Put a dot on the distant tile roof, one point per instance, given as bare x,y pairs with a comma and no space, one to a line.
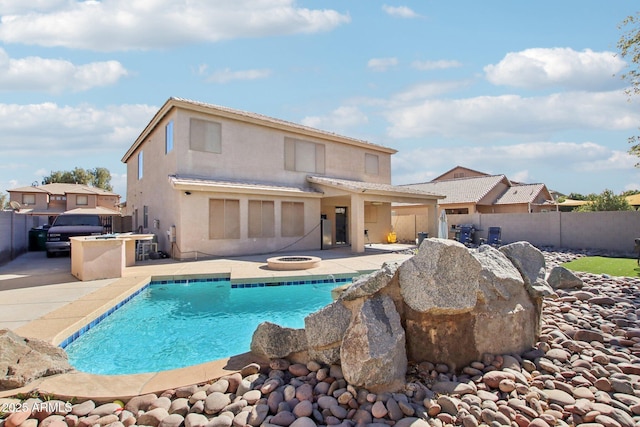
362,186
461,190
524,193
634,200
62,189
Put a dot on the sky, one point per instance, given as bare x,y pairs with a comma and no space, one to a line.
531,90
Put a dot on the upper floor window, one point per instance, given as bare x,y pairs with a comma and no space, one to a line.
371,164
458,175
303,156
140,164
168,137
82,200
28,199
205,136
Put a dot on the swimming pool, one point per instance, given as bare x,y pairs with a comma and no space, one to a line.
170,325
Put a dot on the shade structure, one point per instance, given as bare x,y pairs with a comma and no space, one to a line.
443,227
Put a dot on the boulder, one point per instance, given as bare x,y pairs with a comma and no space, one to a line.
23,360
441,279
562,278
531,264
373,353
504,305
324,331
371,283
274,341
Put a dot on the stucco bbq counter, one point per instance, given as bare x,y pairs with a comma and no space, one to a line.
103,257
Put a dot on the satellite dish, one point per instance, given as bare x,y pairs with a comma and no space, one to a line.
14,205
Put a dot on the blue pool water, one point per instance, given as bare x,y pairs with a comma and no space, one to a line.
173,325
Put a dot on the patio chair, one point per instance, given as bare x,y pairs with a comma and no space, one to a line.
466,233
494,236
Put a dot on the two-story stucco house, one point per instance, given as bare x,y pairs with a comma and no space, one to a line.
45,202
214,181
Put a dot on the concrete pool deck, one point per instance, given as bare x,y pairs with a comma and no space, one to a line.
39,298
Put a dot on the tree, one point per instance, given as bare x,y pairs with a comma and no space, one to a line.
605,201
98,177
4,201
576,196
629,45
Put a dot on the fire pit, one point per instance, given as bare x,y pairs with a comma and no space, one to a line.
293,262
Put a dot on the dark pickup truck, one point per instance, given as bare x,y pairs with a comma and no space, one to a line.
71,225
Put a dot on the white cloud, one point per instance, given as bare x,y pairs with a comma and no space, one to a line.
491,117
400,11
520,176
55,75
557,67
425,91
442,64
70,131
227,75
338,120
382,64
615,160
110,25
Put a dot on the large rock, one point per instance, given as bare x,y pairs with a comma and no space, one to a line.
276,342
563,278
504,305
23,360
441,279
372,283
531,264
324,331
373,353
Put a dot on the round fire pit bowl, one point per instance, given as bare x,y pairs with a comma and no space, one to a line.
293,262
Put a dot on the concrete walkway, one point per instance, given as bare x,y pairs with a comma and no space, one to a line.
39,298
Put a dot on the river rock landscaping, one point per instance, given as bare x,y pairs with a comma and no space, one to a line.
583,370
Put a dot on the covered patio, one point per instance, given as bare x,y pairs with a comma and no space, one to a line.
360,212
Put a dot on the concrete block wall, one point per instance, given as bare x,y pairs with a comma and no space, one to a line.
14,235
613,231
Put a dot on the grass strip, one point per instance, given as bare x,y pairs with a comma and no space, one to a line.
627,267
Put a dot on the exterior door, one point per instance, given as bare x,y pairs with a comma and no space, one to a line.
341,226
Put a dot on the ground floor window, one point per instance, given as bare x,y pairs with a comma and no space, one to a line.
292,219
224,219
262,222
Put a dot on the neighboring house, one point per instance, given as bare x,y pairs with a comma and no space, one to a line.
50,200
467,191
210,180
634,201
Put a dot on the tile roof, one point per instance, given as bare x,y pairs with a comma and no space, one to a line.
524,193
362,186
62,189
462,190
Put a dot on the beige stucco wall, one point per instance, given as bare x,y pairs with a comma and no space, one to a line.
252,152
408,221
192,230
